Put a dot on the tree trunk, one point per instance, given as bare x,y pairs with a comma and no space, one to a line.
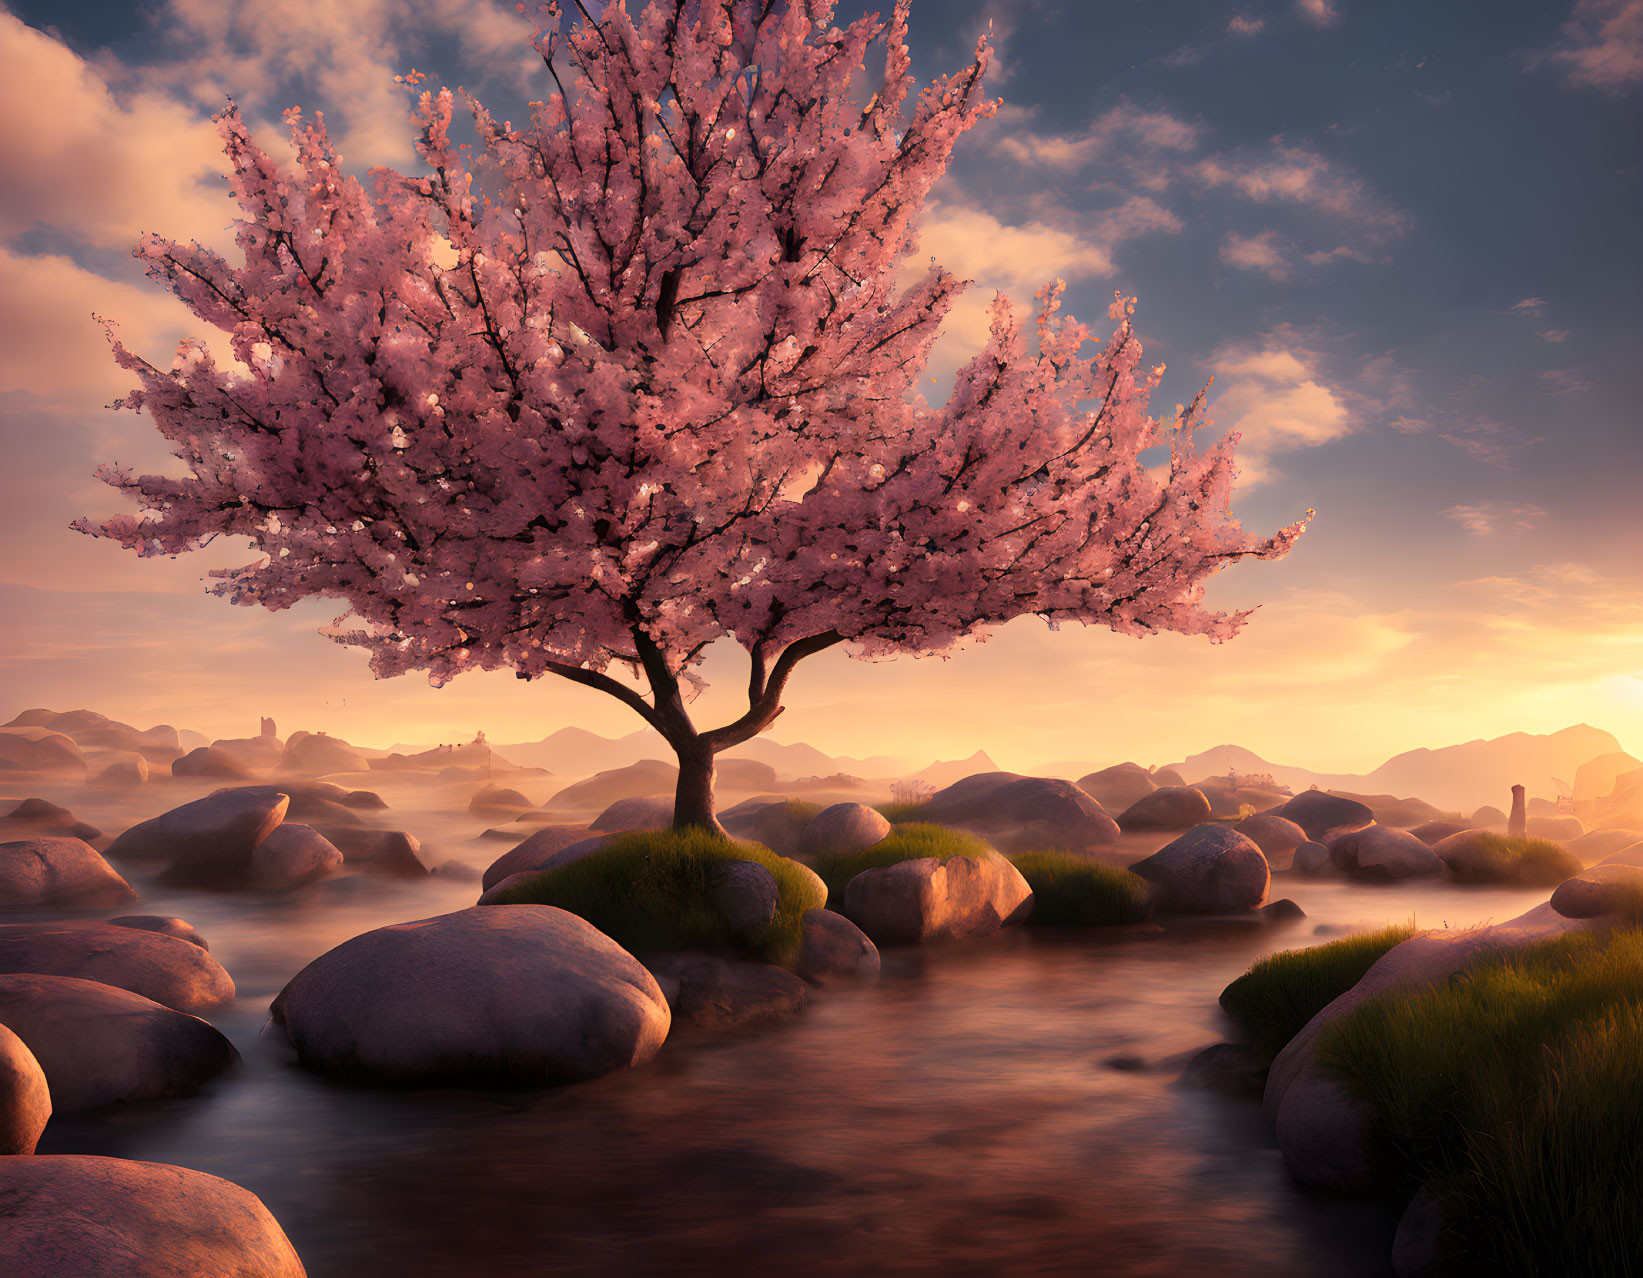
693,800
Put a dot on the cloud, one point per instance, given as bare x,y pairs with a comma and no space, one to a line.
1492,518
1242,24
974,244
1491,442
1601,45
1565,381
1277,398
1127,127
1528,306
1264,252
1285,174
1554,335
1320,13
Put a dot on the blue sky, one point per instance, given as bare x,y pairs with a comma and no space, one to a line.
1401,236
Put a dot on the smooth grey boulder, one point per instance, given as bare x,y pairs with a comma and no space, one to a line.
1119,786
777,823
834,949
1170,807
123,774
220,829
1383,854
40,750
744,894
1018,813
164,924
314,753
169,971
25,1098
1487,816
497,798
80,1216
210,761
514,994
842,829
1432,833
1211,869
713,992
1276,836
652,812
59,872
549,847
292,856
1311,860
1323,815
929,899
1610,889
99,1045
391,853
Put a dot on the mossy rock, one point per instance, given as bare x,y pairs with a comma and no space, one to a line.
1080,891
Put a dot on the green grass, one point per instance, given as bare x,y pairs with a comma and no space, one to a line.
901,813
1079,891
653,890
1512,1091
1279,994
1495,858
904,843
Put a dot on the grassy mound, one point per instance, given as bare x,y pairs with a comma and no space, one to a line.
1079,891
904,843
653,890
901,813
1495,858
1279,994
1512,1093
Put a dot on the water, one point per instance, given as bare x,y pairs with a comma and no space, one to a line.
1004,1105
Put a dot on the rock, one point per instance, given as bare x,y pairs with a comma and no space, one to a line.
928,899
218,830
59,872
1632,855
209,761
775,822
392,853
1018,813
124,773
1169,808
1611,889
744,893
719,993
40,750
537,851
1229,1068
842,829
178,928
40,810
1601,843
523,994
1119,786
1282,910
365,800
456,872
835,949
1275,836
497,798
315,753
1211,869
1561,829
99,1045
77,1216
293,855
35,718
1487,816
1324,1134
653,812
1432,833
1323,815
34,818
1167,776
163,968
25,1100
1416,1247
263,754
1382,854
1311,860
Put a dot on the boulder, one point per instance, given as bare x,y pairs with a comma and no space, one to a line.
25,1099
99,1045
35,817
535,852
652,812
1487,816
1211,869
1169,808
842,829
1323,815
1382,854
38,717
1611,889
293,855
59,872
1119,786
392,853
262,754
834,949
1601,843
40,750
497,798
928,899
78,1216
124,773
744,894
1324,1134
1311,860
720,993
314,753
209,761
182,930
1167,776
364,800
775,822
1233,1069
520,994
1019,813
455,872
1276,836
1283,910
1417,1247
1432,833
220,829
1561,829
169,971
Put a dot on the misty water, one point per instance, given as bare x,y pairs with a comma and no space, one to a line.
1007,1104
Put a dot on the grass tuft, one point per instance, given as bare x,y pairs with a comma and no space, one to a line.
1495,858
901,813
1511,1091
652,890
1280,993
1080,891
904,843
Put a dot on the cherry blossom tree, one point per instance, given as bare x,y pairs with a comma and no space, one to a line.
640,375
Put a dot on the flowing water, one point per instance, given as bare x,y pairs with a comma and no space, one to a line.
1008,1105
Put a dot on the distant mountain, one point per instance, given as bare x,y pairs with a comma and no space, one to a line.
801,760
578,752
942,775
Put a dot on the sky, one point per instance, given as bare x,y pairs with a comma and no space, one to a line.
1401,238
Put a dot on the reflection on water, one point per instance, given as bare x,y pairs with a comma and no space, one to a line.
959,1117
